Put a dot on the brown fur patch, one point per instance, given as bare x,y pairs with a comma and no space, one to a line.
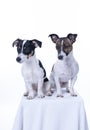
67,45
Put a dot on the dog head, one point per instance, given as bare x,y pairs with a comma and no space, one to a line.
26,48
64,45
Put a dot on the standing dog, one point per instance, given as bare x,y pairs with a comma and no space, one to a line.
32,70
66,67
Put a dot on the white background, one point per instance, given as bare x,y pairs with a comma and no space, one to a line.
28,19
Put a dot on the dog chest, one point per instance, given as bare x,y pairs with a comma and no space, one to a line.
32,73
65,71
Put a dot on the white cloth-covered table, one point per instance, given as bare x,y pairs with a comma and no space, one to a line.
51,113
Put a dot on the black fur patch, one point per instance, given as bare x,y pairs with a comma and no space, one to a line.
28,47
46,79
40,64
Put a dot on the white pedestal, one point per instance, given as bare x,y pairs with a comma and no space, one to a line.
51,113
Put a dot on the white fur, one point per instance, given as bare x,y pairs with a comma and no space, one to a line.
64,71
33,75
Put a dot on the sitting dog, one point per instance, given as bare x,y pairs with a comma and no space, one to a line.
65,70
32,70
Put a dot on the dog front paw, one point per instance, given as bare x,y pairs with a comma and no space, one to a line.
30,96
74,94
40,94
60,95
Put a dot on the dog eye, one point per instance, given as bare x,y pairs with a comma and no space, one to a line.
67,49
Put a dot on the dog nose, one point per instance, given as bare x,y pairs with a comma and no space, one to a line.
60,57
18,59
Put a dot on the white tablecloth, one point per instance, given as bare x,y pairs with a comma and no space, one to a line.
51,113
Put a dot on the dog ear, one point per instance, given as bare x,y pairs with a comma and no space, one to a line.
72,37
37,43
15,43
54,37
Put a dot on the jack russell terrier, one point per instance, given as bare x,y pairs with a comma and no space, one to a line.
33,71
65,70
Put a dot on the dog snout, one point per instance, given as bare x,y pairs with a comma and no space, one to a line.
18,59
60,57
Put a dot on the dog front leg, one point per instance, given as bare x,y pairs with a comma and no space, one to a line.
29,90
40,91
58,87
71,88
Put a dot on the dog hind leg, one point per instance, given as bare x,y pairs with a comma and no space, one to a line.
71,89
